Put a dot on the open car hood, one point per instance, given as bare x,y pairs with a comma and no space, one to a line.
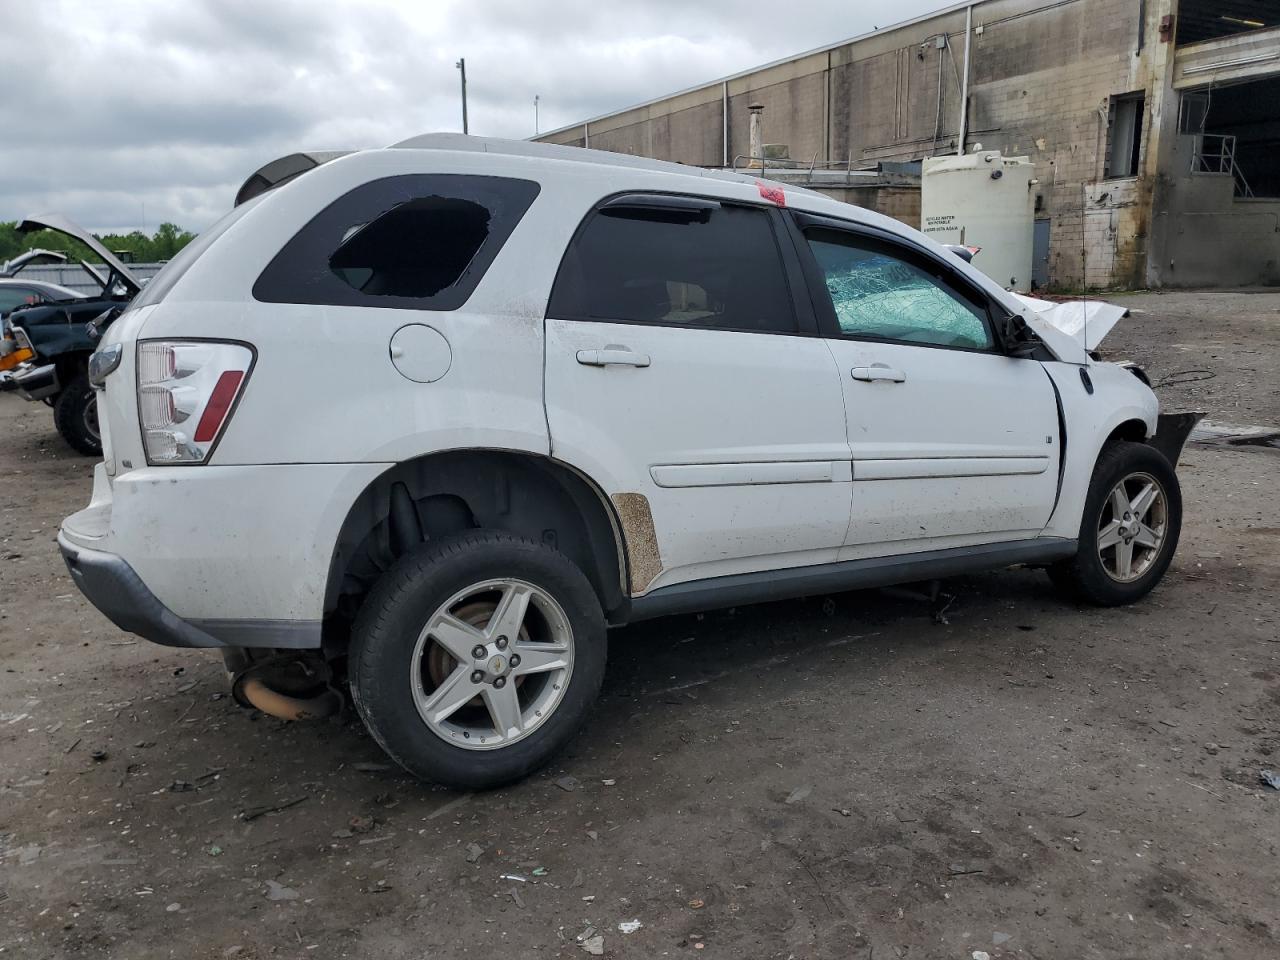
31,258
59,223
1086,321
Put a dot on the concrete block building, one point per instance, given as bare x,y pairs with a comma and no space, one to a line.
1154,126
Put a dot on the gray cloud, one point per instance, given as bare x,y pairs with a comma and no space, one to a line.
136,106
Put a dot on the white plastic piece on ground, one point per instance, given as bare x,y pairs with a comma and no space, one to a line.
629,926
1216,430
1088,321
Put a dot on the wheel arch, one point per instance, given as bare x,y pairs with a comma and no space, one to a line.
1134,429
442,493
1120,409
70,364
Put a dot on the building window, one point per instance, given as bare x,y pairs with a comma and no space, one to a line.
1124,142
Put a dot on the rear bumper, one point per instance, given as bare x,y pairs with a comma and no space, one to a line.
214,555
115,588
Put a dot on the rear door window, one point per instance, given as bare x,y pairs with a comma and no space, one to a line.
420,241
714,266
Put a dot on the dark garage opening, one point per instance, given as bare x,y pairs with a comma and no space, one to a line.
1243,119
1200,20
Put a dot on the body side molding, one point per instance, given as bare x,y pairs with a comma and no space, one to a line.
770,585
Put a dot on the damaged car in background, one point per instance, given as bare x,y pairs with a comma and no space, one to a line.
46,344
18,291
576,390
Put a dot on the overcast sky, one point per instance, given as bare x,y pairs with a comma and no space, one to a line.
126,114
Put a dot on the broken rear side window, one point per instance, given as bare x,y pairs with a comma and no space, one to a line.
420,241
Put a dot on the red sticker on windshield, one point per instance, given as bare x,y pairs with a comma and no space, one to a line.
772,193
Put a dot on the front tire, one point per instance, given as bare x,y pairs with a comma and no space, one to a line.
475,658
1130,528
75,414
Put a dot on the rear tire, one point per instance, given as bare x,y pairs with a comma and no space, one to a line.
477,657
1129,530
75,414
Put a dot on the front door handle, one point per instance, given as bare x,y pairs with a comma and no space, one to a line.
612,355
878,371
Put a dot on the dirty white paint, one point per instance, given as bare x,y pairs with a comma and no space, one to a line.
719,434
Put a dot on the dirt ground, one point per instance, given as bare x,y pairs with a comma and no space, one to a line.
839,777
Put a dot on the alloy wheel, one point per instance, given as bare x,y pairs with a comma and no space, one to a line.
492,664
1132,527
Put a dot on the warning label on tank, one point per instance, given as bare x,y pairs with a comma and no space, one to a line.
940,224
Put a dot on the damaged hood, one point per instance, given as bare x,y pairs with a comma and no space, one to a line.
60,224
31,258
1085,321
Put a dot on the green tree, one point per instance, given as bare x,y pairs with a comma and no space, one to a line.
164,244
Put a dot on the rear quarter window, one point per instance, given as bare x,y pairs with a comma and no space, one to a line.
419,241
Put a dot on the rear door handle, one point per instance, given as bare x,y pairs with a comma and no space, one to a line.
878,371
612,356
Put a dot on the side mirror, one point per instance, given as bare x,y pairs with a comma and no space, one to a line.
1018,339
964,251
94,327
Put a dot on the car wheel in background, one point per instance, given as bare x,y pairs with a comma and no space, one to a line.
476,657
1129,531
75,414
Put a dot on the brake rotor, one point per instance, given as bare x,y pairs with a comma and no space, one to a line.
440,663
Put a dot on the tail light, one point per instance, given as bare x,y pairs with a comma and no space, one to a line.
186,392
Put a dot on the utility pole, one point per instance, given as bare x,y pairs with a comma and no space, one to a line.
462,65
964,85
535,114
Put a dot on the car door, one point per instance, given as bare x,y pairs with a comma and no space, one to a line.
953,441
686,377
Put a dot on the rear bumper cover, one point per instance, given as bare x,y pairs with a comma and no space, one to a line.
114,587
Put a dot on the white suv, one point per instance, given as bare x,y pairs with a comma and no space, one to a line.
448,410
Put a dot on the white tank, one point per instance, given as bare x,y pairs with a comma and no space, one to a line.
983,200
